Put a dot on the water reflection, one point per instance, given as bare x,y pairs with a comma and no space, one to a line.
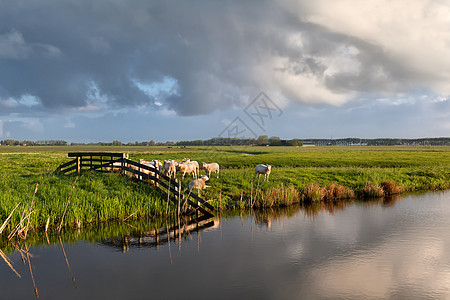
156,237
385,249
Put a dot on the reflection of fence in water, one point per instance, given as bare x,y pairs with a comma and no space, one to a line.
160,236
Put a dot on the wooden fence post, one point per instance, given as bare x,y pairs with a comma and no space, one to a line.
123,164
78,164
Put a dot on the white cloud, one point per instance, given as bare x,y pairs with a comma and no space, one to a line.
24,101
413,34
282,76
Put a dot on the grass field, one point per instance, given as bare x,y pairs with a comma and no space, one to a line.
305,174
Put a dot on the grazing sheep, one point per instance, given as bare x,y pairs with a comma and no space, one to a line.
263,169
197,167
199,184
169,168
212,167
188,167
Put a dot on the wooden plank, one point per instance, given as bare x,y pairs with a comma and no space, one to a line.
81,154
98,159
74,161
137,172
73,168
202,201
142,166
199,208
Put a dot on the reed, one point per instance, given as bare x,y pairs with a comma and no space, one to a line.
313,193
390,188
336,191
372,190
279,196
5,223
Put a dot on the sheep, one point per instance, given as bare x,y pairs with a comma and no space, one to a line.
263,169
212,167
199,184
188,167
197,167
156,164
169,168
146,163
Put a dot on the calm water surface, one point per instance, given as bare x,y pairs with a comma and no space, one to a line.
390,250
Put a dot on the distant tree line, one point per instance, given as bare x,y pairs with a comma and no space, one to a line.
136,143
262,140
443,141
10,142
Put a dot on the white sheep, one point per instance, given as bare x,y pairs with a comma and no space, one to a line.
169,168
199,184
197,167
212,167
188,167
263,169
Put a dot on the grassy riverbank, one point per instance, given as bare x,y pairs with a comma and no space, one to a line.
306,174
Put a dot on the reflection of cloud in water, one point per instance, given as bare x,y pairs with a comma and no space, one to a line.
386,269
295,252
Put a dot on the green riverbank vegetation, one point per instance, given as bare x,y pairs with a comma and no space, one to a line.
32,196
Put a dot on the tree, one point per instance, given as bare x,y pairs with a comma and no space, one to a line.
296,142
262,140
275,141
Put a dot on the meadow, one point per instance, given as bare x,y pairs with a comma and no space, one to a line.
303,175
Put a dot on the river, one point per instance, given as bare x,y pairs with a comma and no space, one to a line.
391,249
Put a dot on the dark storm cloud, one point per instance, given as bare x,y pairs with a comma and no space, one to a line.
84,55
56,50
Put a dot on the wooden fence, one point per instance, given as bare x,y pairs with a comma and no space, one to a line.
119,162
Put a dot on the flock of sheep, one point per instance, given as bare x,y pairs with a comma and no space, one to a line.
171,167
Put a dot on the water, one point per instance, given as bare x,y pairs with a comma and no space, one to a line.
383,250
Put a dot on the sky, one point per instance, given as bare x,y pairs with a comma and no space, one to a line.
141,70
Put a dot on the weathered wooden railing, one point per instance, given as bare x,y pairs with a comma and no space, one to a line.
104,162
107,162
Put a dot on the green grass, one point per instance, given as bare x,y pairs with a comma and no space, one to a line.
305,174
